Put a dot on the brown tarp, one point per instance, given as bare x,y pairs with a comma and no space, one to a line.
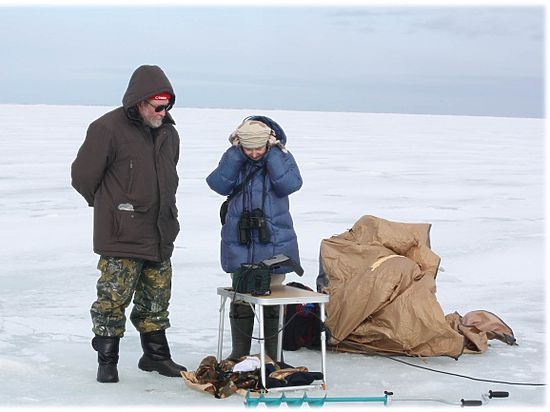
381,279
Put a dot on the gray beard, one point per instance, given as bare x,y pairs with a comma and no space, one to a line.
154,123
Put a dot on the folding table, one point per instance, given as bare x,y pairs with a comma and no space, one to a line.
281,295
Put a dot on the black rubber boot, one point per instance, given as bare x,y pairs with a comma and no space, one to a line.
156,355
241,318
107,358
271,327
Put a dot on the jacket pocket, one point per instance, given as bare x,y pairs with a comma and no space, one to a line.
132,226
171,225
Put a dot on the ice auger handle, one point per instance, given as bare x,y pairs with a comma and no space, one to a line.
464,402
498,394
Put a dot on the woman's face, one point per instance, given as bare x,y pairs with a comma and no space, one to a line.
255,154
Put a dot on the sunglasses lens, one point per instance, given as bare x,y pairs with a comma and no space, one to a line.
159,109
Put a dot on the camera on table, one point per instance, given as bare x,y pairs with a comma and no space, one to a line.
253,220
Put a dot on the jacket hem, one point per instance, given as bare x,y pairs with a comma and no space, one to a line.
154,258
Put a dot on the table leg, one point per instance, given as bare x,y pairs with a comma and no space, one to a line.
280,334
260,312
221,327
323,343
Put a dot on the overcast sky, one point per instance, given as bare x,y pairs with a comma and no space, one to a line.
486,60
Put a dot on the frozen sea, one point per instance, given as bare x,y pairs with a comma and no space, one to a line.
479,181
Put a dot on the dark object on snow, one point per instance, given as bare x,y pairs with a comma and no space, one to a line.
107,358
283,375
219,379
302,330
156,355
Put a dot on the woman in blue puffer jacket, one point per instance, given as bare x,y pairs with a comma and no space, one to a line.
258,157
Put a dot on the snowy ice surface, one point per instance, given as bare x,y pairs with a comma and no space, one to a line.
478,180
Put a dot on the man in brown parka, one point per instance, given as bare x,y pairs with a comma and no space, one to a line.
126,171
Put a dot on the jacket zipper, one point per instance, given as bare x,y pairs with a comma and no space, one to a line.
161,235
252,249
131,178
156,154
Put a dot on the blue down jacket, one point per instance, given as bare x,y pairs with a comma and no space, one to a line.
278,178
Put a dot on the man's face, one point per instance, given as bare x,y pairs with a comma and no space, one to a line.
147,111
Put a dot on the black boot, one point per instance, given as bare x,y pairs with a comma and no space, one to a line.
107,357
156,355
241,318
271,328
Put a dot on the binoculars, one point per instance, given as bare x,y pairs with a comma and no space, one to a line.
253,220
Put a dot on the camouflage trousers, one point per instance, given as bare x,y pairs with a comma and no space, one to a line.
149,283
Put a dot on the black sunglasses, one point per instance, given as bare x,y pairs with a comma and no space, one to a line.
160,108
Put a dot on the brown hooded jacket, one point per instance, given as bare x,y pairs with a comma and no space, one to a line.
127,172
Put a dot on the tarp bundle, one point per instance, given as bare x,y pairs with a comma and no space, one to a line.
223,379
381,279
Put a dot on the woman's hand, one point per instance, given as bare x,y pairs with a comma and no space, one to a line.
234,139
274,142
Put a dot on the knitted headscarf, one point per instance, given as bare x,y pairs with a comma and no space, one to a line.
252,134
